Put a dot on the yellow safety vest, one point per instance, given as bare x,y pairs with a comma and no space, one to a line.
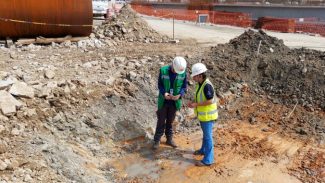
209,112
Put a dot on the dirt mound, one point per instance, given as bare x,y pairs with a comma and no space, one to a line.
264,62
249,41
128,26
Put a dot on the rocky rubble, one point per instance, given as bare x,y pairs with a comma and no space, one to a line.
127,26
285,76
67,108
52,102
293,75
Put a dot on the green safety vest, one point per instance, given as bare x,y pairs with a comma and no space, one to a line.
178,83
205,113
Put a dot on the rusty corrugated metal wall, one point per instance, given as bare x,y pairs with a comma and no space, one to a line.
51,12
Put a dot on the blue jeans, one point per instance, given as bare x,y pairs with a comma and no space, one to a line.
207,142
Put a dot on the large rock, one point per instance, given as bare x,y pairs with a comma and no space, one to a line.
21,89
132,75
87,65
3,146
30,112
52,84
50,74
129,129
7,108
5,84
120,59
3,118
8,103
45,92
3,75
3,165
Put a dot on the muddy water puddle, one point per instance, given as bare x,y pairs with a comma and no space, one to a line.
243,154
164,165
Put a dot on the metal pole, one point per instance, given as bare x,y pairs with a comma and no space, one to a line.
173,28
259,46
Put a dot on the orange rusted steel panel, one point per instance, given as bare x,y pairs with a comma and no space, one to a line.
25,18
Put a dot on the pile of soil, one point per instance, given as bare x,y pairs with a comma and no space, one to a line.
128,26
264,62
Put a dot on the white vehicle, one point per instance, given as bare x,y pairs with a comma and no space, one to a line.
107,8
100,7
122,2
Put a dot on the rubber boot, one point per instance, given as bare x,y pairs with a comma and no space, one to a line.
155,145
171,142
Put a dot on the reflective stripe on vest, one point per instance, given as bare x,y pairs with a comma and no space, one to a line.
164,77
208,113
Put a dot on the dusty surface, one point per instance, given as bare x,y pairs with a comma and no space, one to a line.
244,151
212,35
85,112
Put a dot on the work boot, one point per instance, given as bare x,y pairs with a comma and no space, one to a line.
170,142
155,145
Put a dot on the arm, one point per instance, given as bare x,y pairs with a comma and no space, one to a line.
194,104
205,103
161,85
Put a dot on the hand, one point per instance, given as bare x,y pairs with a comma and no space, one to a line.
176,97
168,96
191,104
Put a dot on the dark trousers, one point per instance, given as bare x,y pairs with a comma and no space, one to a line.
166,116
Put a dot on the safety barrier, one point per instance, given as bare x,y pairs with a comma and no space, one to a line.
276,24
300,25
225,18
178,14
230,18
306,25
145,9
311,27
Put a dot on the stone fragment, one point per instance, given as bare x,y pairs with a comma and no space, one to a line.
5,84
21,89
8,103
49,74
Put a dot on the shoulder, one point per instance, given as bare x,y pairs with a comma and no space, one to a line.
208,86
164,68
208,91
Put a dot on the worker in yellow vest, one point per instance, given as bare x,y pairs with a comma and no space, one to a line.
205,108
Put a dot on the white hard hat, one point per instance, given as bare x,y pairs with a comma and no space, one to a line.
179,65
198,68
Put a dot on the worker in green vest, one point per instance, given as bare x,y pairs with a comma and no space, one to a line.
205,108
172,87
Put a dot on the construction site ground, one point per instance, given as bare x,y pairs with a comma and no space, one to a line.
92,115
211,34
